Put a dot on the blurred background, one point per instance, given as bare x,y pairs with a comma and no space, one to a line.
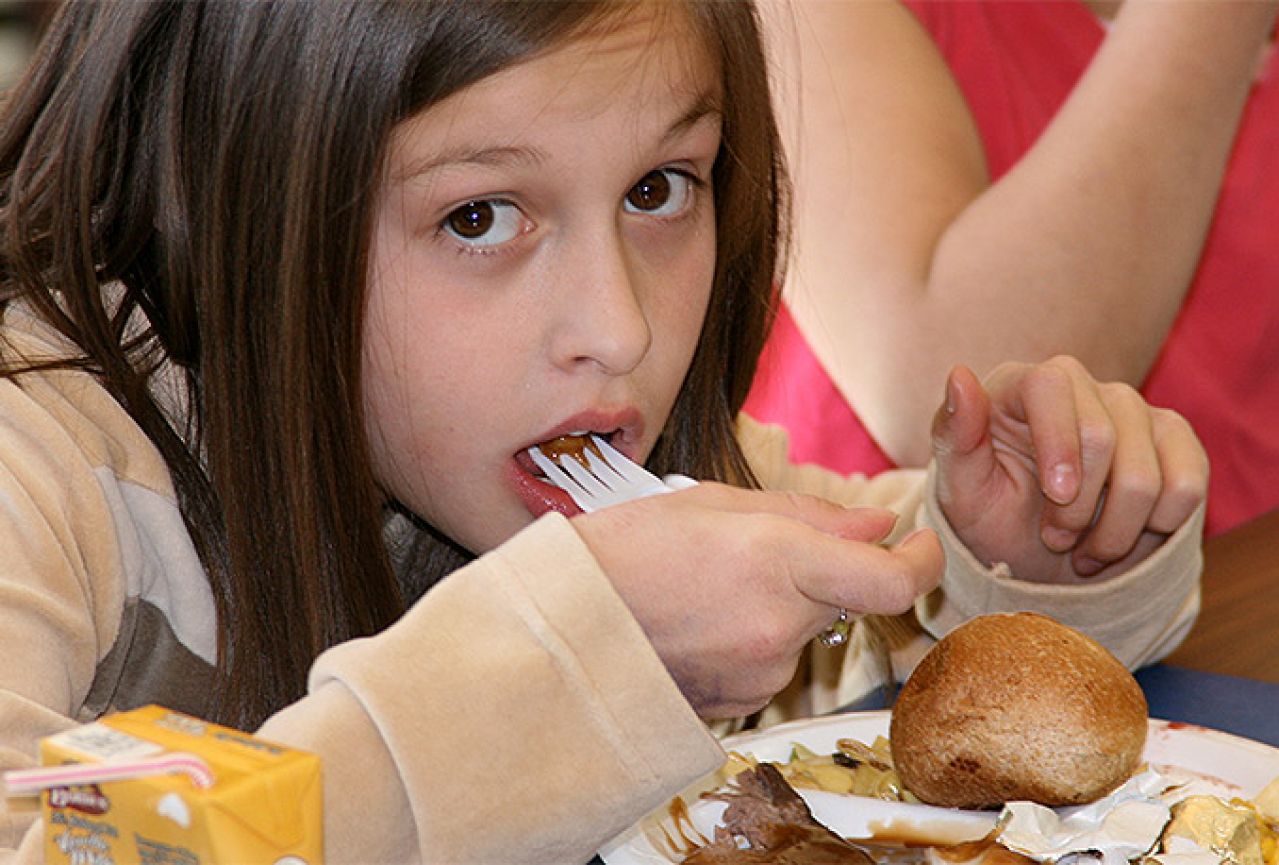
21,22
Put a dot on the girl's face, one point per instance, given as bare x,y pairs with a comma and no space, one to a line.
543,257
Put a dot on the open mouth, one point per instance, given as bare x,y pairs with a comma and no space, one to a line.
575,445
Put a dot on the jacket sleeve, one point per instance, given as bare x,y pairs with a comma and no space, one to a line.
516,713
61,593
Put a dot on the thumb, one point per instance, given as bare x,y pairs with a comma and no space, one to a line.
961,435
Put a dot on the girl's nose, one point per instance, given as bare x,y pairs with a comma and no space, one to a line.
602,320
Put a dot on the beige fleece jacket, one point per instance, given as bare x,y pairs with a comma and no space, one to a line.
515,714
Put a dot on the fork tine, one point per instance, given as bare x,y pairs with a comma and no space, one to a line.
607,478
604,470
593,485
629,471
563,480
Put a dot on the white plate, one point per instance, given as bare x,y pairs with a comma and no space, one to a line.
1231,766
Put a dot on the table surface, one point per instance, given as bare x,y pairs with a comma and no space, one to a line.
1237,633
1226,673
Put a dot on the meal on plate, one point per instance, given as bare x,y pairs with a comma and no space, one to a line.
1015,714
776,825
1148,821
854,767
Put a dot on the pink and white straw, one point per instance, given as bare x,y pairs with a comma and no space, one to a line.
26,782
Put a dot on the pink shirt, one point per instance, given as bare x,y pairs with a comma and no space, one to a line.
1016,61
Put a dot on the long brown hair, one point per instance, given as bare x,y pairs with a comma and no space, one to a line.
210,170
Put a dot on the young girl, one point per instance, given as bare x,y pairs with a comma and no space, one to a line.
290,289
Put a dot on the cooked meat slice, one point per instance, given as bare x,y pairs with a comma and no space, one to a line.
767,822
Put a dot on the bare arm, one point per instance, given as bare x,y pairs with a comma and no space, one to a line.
909,260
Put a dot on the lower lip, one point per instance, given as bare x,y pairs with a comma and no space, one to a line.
538,496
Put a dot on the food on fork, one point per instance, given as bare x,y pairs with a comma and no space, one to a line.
598,475
572,445
1016,706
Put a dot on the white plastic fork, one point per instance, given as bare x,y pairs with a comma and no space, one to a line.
612,478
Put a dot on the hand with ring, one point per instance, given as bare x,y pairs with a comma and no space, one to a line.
748,578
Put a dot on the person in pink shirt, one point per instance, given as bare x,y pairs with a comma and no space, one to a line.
981,180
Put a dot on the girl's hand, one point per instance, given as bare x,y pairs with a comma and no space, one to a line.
1060,476
730,585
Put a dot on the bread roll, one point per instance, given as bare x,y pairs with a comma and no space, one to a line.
1017,706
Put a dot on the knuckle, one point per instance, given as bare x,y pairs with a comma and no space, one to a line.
758,545
1189,489
1096,439
1074,520
897,589
1051,376
1180,499
1169,424
1121,392
1064,361
769,641
1065,364
1139,487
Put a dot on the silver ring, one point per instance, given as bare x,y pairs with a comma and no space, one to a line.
837,634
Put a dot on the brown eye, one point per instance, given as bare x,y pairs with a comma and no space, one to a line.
485,222
651,193
664,192
472,220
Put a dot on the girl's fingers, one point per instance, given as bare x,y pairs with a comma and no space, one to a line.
1134,481
866,524
1184,466
864,578
1073,440
1061,408
962,449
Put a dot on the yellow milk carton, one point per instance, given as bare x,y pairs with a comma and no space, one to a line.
171,789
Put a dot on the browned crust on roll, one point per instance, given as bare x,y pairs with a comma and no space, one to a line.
1017,706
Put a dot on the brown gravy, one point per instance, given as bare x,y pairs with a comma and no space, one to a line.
568,446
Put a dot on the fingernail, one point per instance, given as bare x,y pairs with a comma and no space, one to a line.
888,532
1061,483
952,394
1087,567
913,535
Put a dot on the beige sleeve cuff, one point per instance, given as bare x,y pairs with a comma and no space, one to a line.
1140,615
516,713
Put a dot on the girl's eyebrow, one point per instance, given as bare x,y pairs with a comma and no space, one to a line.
706,107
